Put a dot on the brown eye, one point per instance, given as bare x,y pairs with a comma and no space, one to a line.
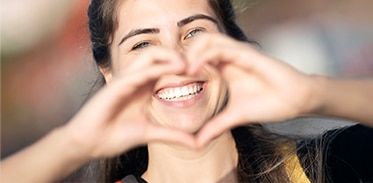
141,45
193,32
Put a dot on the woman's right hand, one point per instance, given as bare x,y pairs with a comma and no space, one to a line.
115,119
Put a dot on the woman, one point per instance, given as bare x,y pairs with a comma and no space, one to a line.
168,69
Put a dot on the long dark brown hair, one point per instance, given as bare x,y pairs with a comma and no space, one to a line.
259,158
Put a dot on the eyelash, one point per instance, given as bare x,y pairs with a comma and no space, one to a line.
193,31
141,45
144,44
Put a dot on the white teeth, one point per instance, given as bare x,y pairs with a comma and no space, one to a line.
177,92
184,91
180,93
171,93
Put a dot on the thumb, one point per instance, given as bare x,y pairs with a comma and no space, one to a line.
219,124
156,133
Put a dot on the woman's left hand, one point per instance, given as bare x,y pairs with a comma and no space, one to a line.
261,89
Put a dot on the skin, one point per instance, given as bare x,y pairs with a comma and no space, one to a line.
118,117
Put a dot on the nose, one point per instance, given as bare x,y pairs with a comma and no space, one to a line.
178,47
171,40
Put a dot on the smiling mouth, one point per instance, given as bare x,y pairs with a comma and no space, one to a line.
182,93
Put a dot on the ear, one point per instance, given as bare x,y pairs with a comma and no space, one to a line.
106,72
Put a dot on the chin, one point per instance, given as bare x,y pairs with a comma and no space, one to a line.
191,127
186,121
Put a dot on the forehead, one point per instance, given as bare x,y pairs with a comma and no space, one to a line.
154,13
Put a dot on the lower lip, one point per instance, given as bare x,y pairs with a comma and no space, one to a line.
185,103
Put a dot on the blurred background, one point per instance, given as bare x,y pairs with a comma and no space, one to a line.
47,70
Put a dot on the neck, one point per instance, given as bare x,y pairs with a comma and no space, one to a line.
216,162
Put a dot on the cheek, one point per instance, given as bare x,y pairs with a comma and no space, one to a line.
217,91
218,96
123,63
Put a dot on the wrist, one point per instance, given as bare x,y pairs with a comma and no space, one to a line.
315,100
56,154
74,149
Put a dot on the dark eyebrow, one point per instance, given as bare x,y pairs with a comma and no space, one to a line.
196,17
137,32
181,23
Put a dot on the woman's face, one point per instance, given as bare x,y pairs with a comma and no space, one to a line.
180,102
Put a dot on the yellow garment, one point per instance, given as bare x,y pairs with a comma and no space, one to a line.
293,167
